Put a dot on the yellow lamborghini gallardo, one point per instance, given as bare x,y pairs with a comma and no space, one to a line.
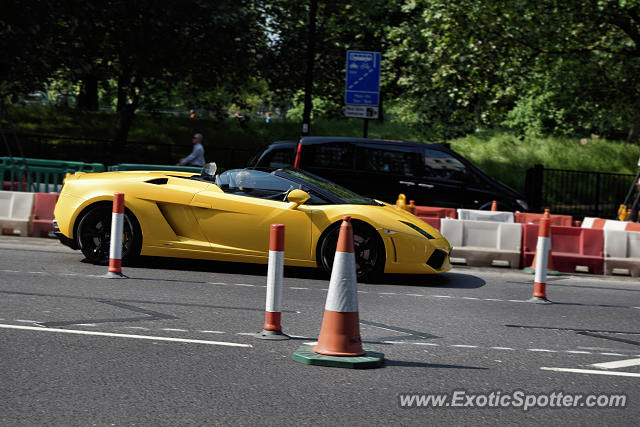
227,217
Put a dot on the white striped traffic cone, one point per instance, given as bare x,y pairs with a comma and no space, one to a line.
340,331
272,329
115,245
542,258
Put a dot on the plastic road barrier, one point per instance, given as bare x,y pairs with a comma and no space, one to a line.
16,211
610,224
573,249
534,218
479,215
272,328
432,215
43,206
622,252
483,243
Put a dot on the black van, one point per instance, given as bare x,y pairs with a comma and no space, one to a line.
429,174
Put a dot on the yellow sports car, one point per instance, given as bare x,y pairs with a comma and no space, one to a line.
227,217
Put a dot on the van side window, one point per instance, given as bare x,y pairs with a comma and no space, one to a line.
439,164
380,160
278,158
333,155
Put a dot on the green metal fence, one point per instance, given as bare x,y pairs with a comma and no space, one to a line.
40,175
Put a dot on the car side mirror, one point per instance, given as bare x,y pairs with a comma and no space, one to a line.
297,197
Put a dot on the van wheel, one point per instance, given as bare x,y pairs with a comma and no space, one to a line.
94,235
367,245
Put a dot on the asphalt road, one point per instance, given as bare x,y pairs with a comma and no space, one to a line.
173,345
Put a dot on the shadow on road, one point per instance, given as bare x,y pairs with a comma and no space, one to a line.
444,280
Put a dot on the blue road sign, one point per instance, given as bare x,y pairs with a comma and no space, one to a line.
363,78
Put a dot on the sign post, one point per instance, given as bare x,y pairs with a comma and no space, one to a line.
362,87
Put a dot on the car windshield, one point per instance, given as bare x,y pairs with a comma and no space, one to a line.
276,185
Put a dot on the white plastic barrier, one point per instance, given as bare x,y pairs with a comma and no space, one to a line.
483,243
477,215
16,210
621,252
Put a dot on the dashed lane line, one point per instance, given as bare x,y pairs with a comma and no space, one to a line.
204,331
592,372
400,294
115,335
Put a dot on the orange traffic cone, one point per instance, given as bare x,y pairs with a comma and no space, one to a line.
339,344
412,206
340,331
494,206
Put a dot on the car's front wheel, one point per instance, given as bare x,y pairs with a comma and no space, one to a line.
94,235
368,250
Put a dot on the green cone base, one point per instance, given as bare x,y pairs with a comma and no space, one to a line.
306,355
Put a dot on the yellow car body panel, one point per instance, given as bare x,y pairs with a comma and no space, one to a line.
190,218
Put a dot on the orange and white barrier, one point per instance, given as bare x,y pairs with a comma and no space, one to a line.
115,246
340,331
609,224
542,259
272,329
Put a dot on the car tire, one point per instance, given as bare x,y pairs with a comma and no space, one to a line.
368,247
94,233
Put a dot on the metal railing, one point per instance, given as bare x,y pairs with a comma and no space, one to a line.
577,193
101,150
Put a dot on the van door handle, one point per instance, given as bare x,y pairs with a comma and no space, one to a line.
406,183
429,186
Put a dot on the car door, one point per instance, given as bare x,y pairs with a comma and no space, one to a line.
441,181
240,225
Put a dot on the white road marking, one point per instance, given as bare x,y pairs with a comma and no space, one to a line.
470,298
244,284
592,371
108,334
387,293
542,349
502,348
212,332
84,324
140,328
293,287
26,321
442,296
246,333
577,352
464,346
174,330
414,295
617,364
493,299
613,354
311,343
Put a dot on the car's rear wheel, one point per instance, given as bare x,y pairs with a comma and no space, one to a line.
94,235
368,249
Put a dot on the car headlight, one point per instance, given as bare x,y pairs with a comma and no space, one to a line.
418,229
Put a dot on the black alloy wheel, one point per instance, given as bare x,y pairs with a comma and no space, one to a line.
94,235
368,250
